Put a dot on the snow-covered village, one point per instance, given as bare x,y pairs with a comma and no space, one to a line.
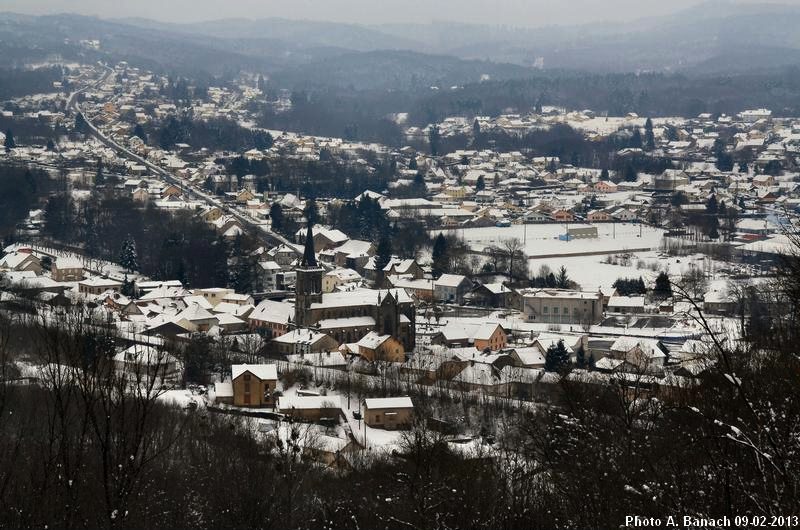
461,313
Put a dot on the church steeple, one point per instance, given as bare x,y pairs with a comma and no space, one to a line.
308,284
309,257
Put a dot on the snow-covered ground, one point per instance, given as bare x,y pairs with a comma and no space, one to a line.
542,239
594,272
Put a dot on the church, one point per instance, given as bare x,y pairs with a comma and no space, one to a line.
348,316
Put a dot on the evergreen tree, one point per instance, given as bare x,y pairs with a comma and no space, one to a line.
241,279
80,123
99,177
636,139
441,259
743,167
434,139
711,205
476,129
138,131
580,357
9,142
480,184
383,254
127,256
557,357
51,145
663,287
419,180
412,164
562,280
127,287
604,174
713,228
649,137
629,175
678,198
311,211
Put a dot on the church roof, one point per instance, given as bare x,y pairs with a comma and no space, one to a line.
309,257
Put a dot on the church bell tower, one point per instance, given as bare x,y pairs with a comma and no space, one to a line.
308,286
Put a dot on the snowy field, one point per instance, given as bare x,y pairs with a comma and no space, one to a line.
593,272
542,239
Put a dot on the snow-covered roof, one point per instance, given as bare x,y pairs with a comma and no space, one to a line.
372,340
450,280
262,371
389,403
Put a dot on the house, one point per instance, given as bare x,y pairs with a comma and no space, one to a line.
96,286
142,364
598,216
421,289
457,334
67,269
329,450
310,408
214,295
324,238
196,318
719,299
562,216
223,392
605,186
561,306
375,347
451,288
171,191
405,267
490,295
21,261
353,254
670,179
272,317
254,384
389,413
338,277
626,304
646,354
302,341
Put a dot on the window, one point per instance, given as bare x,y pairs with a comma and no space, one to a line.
546,309
247,399
566,311
247,387
247,377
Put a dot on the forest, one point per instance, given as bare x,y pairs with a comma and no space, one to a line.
167,245
21,189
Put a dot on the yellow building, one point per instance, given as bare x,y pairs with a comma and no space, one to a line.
254,384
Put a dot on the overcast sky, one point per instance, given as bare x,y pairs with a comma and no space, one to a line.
512,12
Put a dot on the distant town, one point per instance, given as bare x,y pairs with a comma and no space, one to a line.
335,296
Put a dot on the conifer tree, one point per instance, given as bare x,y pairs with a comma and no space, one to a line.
128,257
649,137
663,288
9,142
440,255
556,358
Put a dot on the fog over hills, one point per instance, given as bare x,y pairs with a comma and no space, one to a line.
685,41
711,38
